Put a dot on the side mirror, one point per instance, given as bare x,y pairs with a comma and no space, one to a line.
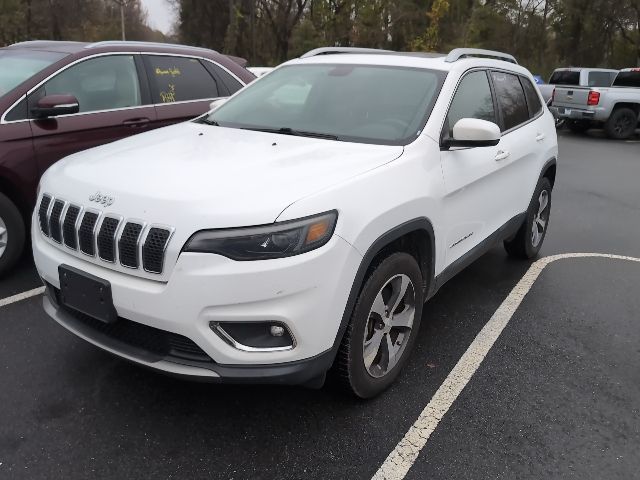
473,132
218,102
55,105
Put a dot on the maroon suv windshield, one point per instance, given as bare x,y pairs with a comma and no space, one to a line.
16,66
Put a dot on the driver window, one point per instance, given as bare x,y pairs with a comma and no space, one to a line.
472,100
102,83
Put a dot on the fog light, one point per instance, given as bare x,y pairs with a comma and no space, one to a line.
277,330
255,336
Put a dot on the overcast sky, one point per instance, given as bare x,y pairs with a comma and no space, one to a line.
161,15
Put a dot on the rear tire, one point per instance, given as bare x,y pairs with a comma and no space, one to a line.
385,319
12,234
530,237
578,126
621,124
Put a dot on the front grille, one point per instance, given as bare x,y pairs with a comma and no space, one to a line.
43,214
128,244
54,221
69,227
153,249
86,233
84,230
148,341
107,239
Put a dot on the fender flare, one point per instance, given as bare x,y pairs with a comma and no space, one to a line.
417,224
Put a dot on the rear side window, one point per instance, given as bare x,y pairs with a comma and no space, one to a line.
533,99
472,100
179,79
227,84
565,77
511,99
628,79
600,79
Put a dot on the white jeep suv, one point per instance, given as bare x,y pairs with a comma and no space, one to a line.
299,228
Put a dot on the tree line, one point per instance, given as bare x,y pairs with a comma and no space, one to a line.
542,34
81,20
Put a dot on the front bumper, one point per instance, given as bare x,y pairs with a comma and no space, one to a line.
307,293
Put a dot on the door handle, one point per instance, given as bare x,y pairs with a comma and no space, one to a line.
501,155
136,122
540,137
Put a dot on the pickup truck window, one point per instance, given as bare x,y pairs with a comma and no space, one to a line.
565,77
511,99
600,79
628,79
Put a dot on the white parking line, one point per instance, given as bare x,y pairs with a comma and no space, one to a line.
403,456
21,296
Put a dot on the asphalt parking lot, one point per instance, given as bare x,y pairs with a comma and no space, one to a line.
557,395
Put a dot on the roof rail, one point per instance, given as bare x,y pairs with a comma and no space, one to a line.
43,43
126,43
458,53
335,50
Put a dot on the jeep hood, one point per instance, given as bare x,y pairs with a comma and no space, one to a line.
197,176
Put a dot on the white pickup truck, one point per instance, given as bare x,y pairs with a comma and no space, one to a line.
617,108
577,76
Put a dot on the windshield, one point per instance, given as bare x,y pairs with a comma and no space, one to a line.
355,103
16,66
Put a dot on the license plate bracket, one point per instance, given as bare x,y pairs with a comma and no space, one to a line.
86,294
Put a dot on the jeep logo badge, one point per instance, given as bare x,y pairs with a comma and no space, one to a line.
104,200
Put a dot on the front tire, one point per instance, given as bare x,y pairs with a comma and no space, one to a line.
621,124
528,241
383,327
12,234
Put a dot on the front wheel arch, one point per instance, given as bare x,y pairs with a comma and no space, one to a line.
418,228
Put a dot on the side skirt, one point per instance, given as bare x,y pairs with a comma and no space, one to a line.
506,231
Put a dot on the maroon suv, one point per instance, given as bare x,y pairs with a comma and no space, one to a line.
57,98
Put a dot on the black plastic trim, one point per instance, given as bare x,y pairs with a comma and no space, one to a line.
506,231
418,224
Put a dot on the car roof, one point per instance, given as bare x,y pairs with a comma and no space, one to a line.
110,45
580,69
410,59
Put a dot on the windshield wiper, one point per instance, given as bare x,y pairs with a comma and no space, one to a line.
296,133
206,121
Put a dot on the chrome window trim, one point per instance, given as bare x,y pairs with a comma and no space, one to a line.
164,250
3,120
488,71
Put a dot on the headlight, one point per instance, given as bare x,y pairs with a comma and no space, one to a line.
277,240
